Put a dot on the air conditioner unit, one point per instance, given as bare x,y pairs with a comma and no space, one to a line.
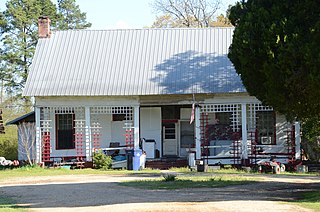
265,139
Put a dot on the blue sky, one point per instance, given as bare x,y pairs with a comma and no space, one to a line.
105,14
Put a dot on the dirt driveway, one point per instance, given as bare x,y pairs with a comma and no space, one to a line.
103,193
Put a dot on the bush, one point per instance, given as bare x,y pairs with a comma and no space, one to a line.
169,177
9,149
101,161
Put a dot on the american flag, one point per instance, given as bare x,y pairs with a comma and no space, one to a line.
192,114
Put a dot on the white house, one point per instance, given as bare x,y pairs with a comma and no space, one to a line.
93,88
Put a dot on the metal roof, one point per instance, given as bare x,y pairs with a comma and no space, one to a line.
29,117
133,62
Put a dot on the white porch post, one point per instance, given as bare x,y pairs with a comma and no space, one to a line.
88,133
38,135
297,140
197,132
244,145
136,123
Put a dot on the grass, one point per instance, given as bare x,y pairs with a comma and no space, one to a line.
310,200
7,204
190,182
37,171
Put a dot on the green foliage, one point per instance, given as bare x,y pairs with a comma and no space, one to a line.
8,148
20,38
311,138
19,24
310,200
9,140
101,161
275,51
169,177
70,16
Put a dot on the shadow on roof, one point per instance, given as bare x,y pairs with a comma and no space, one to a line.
195,72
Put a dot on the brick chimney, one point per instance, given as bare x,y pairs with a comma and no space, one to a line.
44,27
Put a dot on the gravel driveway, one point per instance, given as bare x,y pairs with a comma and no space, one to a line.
103,193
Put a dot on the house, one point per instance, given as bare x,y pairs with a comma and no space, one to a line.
174,87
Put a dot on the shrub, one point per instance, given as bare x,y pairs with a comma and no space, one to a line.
9,149
101,161
169,177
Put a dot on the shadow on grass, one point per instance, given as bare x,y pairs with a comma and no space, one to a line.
210,182
9,204
309,199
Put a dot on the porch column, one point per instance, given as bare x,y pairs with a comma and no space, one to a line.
197,132
38,135
244,145
136,123
88,133
297,140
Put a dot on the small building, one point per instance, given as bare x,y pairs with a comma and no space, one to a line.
26,136
176,88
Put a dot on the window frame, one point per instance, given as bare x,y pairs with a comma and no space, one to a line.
273,129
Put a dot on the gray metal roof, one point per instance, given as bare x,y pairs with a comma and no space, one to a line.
29,117
133,62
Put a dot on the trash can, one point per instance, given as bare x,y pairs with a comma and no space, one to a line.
201,166
129,157
148,146
136,159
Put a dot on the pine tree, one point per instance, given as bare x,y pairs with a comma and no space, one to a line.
70,16
19,39
19,35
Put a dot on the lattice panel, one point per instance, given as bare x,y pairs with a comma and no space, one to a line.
215,108
63,110
235,109
96,135
259,107
46,146
79,138
204,120
129,132
112,110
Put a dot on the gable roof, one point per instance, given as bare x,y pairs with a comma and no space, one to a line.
133,62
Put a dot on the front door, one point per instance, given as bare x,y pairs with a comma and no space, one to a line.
170,139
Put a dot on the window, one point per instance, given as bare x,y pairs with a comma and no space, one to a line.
186,134
64,131
266,127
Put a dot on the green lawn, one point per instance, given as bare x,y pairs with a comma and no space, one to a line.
190,182
37,171
310,200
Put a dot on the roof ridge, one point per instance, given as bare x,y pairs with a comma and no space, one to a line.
133,29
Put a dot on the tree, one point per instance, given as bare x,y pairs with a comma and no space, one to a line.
70,16
169,21
187,13
19,39
222,21
275,50
19,27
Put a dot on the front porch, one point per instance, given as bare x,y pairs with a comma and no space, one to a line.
221,133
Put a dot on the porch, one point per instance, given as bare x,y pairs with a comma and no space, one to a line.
221,133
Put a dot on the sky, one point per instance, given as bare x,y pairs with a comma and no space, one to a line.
114,14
